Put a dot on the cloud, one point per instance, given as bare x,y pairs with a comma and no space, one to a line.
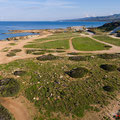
43,3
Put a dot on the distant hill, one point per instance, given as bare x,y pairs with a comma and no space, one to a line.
110,18
110,26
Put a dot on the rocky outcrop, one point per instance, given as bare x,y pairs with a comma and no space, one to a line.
21,37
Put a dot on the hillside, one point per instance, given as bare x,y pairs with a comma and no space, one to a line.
115,17
110,26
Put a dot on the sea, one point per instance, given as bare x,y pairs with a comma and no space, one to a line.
5,26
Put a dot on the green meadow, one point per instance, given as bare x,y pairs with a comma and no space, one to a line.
87,44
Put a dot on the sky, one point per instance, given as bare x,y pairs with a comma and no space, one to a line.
48,10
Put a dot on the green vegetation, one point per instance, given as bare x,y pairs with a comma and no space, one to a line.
79,58
54,92
108,39
12,44
42,51
63,88
87,44
109,56
56,41
38,53
16,50
108,67
6,49
11,54
109,26
47,57
8,87
77,72
50,45
4,114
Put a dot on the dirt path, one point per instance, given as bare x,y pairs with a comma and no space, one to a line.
114,36
17,107
71,45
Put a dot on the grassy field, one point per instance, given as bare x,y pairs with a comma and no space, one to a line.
64,44
87,44
58,37
108,40
58,96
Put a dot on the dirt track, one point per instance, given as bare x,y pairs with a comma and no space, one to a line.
16,107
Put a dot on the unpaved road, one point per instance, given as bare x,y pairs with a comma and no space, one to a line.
16,107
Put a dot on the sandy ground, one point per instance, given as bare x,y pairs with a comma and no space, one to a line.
19,45
19,109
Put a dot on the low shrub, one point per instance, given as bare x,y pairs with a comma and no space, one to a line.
11,54
30,51
47,57
108,88
19,73
78,58
9,87
108,67
77,72
16,50
4,114
109,56
38,53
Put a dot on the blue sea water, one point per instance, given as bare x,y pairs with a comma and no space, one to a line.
6,26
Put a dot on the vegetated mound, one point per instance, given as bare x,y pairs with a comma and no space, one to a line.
79,58
108,67
11,54
4,114
47,57
16,50
30,51
109,26
19,73
108,88
109,56
9,87
77,72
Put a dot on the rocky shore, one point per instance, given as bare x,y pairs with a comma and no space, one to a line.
22,37
39,32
